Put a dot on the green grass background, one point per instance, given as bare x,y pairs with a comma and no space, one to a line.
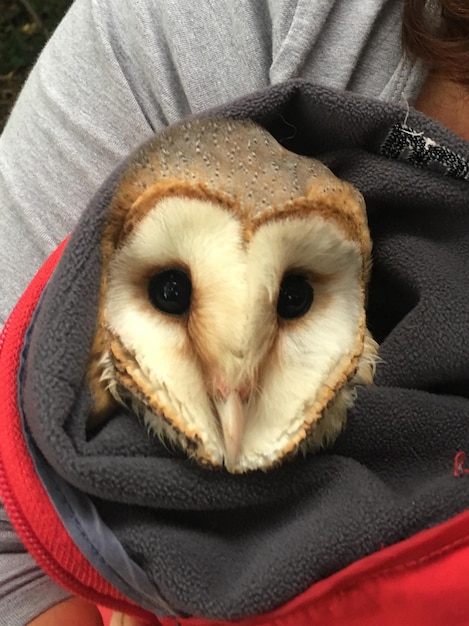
25,26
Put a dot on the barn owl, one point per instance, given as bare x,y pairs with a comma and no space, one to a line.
232,299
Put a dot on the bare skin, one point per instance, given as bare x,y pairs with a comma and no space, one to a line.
124,620
73,612
77,612
446,102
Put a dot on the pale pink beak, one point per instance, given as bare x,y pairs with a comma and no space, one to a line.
232,416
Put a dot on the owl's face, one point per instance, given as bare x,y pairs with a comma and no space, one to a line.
238,334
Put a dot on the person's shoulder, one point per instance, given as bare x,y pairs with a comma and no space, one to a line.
191,54
197,18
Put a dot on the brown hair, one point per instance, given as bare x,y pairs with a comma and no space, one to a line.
437,32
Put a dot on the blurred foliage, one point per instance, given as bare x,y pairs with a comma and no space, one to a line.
25,26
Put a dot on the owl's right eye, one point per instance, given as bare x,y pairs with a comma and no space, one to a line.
295,296
170,291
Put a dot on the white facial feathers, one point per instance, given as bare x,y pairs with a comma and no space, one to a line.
232,332
273,252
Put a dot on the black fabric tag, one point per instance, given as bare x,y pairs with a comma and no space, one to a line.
407,144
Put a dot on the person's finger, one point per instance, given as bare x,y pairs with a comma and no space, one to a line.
118,619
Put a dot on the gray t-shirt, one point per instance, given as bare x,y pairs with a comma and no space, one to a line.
115,72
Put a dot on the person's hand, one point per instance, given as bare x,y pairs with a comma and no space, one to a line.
118,619
72,612
77,612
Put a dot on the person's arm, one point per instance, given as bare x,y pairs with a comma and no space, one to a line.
113,73
75,119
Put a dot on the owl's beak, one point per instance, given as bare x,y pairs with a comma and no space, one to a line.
231,411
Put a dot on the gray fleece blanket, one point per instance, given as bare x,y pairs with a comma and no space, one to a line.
184,540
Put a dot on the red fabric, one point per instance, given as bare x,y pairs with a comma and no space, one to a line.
422,580
25,500
106,614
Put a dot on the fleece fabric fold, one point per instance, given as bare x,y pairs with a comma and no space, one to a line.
225,546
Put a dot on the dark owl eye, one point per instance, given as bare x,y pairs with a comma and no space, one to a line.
170,291
295,296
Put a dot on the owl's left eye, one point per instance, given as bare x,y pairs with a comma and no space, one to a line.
170,291
295,296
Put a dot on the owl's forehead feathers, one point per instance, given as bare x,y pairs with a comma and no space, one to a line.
236,163
237,155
